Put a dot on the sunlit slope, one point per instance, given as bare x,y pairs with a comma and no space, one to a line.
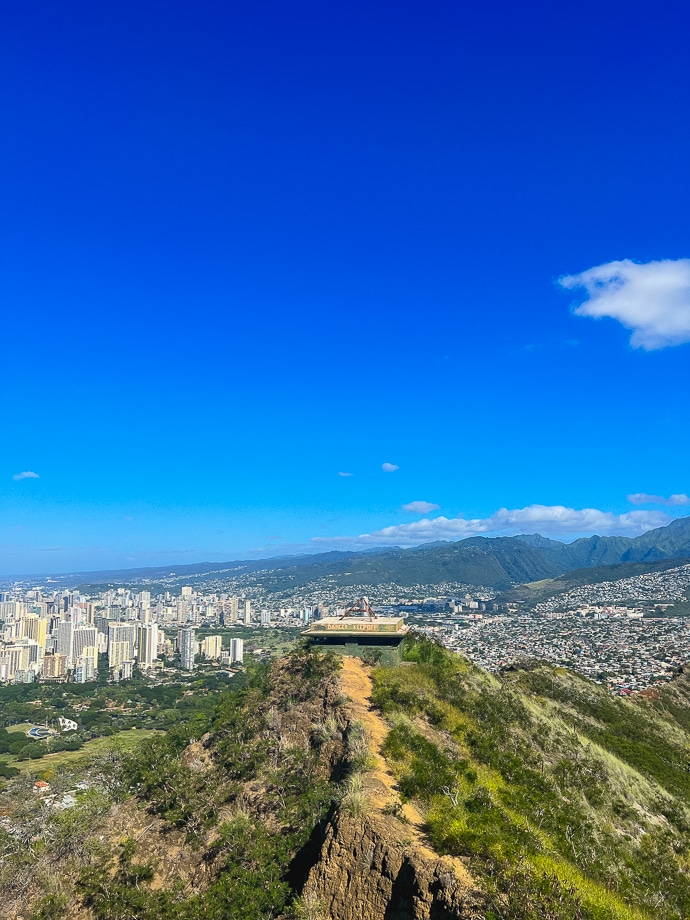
566,801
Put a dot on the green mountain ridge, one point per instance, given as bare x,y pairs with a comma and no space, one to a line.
670,541
498,562
538,794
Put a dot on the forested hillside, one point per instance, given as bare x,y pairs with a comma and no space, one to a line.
329,792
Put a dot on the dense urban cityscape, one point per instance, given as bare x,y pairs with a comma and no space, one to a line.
55,636
618,633
652,588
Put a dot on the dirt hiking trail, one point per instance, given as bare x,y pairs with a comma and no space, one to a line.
379,783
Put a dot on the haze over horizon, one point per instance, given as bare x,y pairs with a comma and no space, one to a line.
282,279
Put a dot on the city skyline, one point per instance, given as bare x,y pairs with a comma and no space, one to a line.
280,281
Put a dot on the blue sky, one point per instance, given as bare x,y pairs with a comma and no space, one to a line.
245,248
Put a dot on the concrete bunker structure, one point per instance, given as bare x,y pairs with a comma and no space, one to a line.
360,633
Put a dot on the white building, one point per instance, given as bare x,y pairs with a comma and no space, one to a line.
187,644
84,669
147,644
85,642
122,638
65,641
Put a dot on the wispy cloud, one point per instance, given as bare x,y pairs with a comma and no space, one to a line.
389,467
643,498
556,520
652,299
420,507
345,474
27,474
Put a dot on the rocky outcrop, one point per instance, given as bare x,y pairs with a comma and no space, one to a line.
367,868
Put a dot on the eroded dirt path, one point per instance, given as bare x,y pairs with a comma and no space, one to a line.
379,783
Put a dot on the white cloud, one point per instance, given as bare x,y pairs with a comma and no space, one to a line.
556,520
643,498
346,474
27,474
420,507
389,467
652,299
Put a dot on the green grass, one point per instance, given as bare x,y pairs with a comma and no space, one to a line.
21,727
126,740
568,802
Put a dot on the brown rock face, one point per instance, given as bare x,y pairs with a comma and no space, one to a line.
367,870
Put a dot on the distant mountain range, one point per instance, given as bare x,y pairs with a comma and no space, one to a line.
497,562
669,542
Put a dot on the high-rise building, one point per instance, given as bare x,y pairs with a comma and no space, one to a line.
65,641
35,653
77,615
84,669
85,642
14,658
247,613
34,627
11,610
230,610
54,666
265,617
211,647
186,591
121,642
187,645
147,644
122,632
237,650
183,610
118,653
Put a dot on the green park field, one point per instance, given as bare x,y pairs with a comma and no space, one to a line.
124,740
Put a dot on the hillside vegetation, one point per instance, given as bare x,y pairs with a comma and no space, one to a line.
491,561
317,792
566,801
205,821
